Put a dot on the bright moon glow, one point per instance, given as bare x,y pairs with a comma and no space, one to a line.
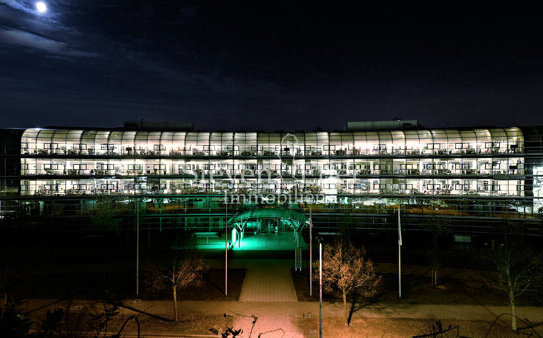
41,7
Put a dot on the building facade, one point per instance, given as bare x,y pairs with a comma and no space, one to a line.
502,168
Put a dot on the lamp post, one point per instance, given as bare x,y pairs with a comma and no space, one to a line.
399,253
137,247
320,287
226,249
310,252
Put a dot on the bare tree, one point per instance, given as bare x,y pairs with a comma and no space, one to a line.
517,269
346,268
185,271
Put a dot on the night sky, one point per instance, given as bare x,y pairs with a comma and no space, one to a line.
270,65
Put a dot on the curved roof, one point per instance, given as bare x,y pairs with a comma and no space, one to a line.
120,141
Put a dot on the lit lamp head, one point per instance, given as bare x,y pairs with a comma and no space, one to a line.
41,7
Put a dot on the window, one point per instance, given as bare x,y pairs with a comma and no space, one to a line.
433,146
107,146
50,166
50,146
362,186
159,147
492,145
80,166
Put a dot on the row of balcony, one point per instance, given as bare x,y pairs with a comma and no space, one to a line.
400,189
273,152
275,173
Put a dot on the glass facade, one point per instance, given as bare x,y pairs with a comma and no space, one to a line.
466,162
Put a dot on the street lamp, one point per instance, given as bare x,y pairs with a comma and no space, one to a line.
319,239
310,252
137,247
399,252
226,249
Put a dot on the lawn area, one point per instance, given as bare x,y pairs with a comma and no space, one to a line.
118,282
416,290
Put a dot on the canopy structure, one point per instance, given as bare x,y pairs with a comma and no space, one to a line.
252,220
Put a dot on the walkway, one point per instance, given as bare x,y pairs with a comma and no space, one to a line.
268,281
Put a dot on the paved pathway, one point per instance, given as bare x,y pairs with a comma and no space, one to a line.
268,281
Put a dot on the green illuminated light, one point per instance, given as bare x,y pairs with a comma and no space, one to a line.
260,242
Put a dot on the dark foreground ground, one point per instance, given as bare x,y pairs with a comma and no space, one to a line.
72,267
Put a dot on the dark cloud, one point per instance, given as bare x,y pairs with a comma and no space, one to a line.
30,40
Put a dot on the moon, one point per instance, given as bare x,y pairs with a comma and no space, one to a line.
41,7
